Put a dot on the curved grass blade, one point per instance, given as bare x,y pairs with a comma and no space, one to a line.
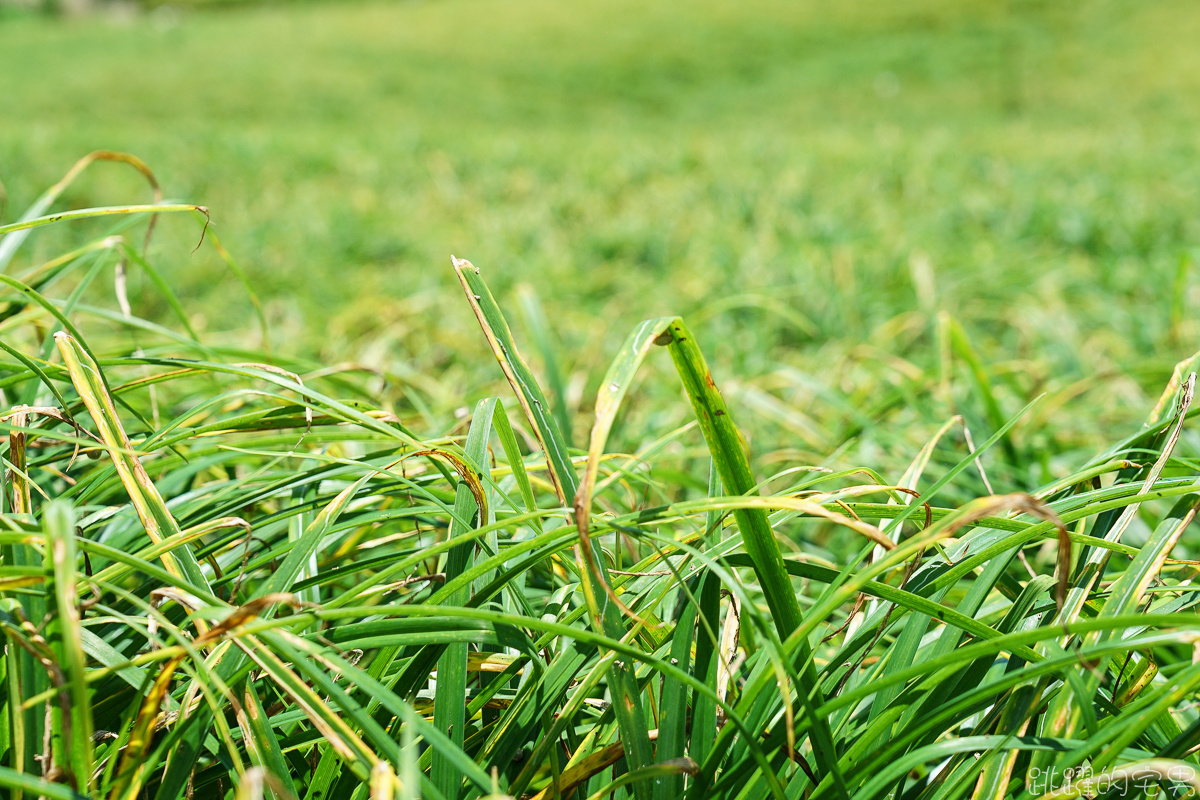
50,308
10,244
654,772
105,211
151,509
42,377
1065,713
37,787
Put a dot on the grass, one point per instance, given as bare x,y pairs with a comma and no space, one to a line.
814,187
928,541
221,580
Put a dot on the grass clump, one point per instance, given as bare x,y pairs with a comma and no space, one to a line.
227,575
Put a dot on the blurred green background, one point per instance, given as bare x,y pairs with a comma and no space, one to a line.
812,185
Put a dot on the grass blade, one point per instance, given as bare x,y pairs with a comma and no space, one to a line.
10,244
529,393
729,456
151,510
73,718
535,320
259,734
450,701
606,617
90,213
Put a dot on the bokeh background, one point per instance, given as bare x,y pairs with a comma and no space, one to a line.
873,215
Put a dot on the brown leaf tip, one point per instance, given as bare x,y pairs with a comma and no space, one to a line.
462,263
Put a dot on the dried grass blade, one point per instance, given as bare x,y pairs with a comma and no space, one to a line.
155,517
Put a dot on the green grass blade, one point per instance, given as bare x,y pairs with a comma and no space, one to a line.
20,782
708,599
704,714
729,455
673,708
49,307
450,700
90,213
73,707
535,319
260,736
11,243
606,615
961,344
42,376
529,393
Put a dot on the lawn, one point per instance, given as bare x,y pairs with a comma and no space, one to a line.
872,219
805,183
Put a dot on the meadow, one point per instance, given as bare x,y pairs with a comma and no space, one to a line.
281,499
808,183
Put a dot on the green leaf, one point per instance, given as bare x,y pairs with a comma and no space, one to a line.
450,699
72,729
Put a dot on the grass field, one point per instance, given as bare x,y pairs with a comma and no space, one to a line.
871,218
1029,169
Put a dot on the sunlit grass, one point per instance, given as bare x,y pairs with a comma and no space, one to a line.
936,258
224,578
813,185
